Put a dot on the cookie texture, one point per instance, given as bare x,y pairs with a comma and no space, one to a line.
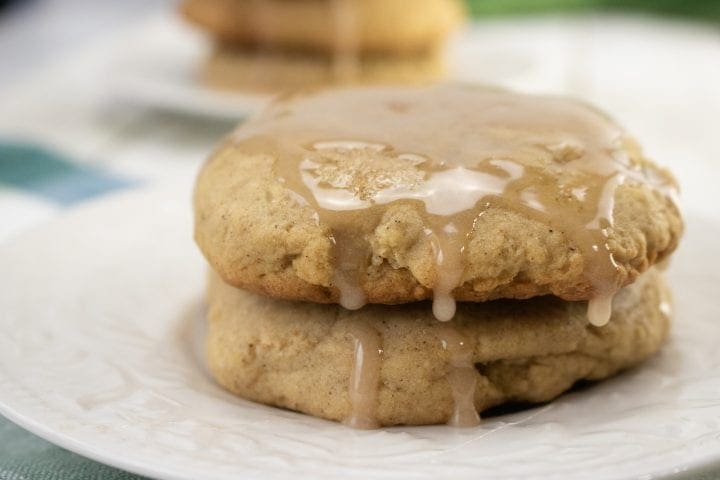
386,26
234,68
258,236
300,355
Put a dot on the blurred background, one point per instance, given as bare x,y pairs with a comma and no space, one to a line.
101,96
700,9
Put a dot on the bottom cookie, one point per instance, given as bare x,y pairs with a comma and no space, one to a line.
389,365
270,71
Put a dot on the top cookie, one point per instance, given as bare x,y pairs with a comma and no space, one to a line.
380,26
397,194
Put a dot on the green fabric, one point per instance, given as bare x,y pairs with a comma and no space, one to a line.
47,174
23,456
706,10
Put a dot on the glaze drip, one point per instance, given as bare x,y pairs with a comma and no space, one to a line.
350,253
452,152
345,61
365,376
455,151
449,265
261,19
599,310
344,55
462,376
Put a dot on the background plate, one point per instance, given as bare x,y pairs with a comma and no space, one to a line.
99,316
159,63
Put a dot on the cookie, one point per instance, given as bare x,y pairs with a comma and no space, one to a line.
399,194
390,365
385,26
236,68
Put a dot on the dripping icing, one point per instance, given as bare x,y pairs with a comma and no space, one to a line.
600,310
344,54
365,376
449,267
345,61
461,376
350,152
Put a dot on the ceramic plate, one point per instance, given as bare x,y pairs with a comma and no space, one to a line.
101,319
158,65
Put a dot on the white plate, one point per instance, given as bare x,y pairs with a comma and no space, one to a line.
99,316
591,56
158,64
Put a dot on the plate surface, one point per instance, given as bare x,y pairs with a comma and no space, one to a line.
101,311
159,64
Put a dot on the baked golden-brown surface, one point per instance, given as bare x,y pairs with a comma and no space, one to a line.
265,220
300,355
386,26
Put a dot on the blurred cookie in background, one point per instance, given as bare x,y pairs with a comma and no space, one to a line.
270,45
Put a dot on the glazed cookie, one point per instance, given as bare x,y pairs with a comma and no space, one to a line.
392,195
387,26
271,71
390,365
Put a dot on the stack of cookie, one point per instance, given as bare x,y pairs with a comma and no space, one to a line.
278,44
342,227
